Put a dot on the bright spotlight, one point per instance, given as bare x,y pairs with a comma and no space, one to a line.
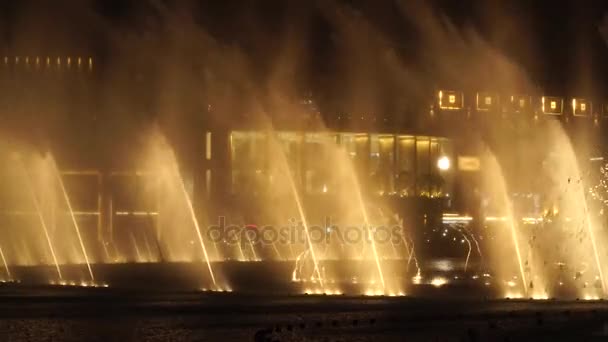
443,163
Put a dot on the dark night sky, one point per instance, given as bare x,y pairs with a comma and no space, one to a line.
550,40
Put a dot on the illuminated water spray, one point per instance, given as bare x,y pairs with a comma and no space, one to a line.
139,258
569,174
515,241
194,221
30,187
410,248
73,217
251,246
296,198
8,271
240,249
595,249
589,226
472,236
465,238
306,230
412,256
393,247
297,270
500,181
368,226
276,250
147,246
600,193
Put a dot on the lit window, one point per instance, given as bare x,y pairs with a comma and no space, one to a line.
450,100
553,105
522,103
488,100
583,107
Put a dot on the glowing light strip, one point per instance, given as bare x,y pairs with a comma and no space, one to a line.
450,219
58,61
87,213
135,213
81,173
496,218
132,173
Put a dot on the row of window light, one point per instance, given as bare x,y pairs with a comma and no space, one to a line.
50,62
549,105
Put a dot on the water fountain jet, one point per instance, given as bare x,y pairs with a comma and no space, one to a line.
300,208
72,216
138,256
43,224
368,227
194,221
8,271
574,206
501,189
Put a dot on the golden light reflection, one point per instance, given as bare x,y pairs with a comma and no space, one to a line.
514,295
540,296
439,281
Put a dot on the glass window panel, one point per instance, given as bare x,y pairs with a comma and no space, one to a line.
405,177
317,163
357,148
435,180
445,149
382,163
248,153
291,143
423,166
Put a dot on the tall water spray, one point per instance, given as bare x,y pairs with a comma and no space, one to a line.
506,257
285,169
6,268
42,219
190,207
581,243
66,197
368,228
